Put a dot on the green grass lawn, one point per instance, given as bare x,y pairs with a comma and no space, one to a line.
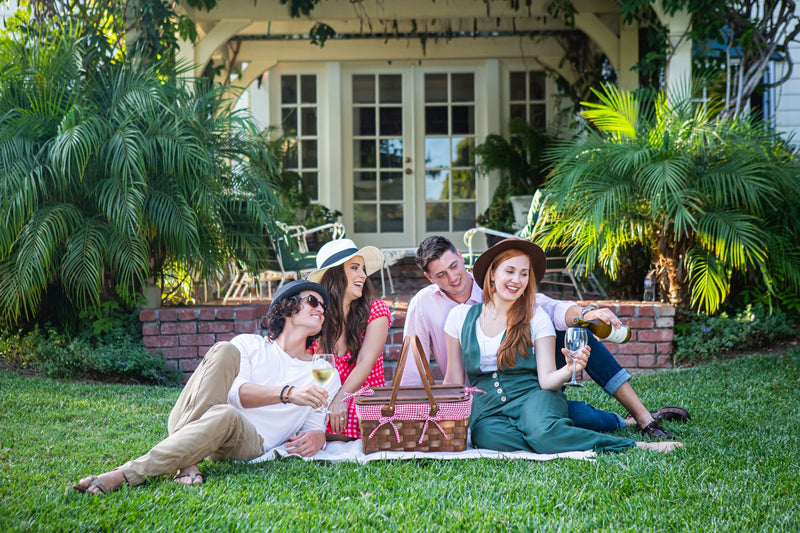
738,472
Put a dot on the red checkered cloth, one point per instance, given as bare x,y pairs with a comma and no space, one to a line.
376,377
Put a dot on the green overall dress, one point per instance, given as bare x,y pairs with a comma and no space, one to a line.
516,413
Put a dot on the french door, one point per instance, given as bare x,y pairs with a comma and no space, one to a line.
409,163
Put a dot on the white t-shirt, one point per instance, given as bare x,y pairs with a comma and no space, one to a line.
266,364
541,326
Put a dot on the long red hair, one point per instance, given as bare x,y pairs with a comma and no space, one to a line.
518,319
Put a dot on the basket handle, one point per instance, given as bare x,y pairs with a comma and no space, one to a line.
412,343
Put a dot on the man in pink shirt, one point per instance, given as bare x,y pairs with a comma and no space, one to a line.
444,267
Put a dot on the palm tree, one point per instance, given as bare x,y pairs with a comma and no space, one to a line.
110,173
714,200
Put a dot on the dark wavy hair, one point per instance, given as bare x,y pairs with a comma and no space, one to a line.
279,312
518,320
354,324
431,249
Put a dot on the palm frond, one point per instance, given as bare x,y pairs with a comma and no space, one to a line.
710,279
617,114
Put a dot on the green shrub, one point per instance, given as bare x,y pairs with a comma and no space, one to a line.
117,355
708,337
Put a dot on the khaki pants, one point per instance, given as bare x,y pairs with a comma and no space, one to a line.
202,423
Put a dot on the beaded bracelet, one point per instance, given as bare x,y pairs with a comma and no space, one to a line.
288,392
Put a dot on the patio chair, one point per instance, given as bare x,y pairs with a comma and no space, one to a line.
294,259
557,262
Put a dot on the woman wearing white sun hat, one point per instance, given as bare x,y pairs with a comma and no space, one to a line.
356,327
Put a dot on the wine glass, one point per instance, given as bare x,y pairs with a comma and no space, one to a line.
322,370
574,340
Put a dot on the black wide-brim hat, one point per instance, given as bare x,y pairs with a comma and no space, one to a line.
296,287
533,251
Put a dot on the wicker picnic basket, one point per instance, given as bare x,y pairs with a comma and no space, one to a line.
431,418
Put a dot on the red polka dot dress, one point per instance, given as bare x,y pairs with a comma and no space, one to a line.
376,378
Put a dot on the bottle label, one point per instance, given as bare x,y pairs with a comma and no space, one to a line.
618,335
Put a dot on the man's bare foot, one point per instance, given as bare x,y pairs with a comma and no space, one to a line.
663,447
190,475
102,484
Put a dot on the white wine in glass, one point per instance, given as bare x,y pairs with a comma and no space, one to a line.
322,370
574,340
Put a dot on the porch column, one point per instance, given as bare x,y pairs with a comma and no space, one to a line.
628,78
679,62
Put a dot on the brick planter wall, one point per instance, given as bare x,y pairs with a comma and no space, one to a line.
184,335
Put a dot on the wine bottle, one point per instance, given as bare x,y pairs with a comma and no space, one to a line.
604,331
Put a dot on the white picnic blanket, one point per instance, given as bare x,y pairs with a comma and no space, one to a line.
352,451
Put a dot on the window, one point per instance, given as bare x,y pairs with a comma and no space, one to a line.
299,115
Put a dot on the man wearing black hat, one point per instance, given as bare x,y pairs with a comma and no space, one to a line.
246,397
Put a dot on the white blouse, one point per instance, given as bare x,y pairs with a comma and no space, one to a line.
541,326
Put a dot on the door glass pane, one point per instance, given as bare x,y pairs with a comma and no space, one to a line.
517,86
463,216
364,186
309,120
463,151
364,89
289,89
290,157
436,217
539,116
364,121
437,153
436,185
435,87
463,119
391,185
309,149
310,180
518,111
308,89
289,120
391,218
391,121
364,218
436,120
463,87
391,153
537,85
463,184
391,89
364,153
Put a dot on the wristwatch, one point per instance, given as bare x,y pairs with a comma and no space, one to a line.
587,309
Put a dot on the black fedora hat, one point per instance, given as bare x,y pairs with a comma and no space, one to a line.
533,251
296,287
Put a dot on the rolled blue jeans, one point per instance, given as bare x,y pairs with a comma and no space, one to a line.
606,372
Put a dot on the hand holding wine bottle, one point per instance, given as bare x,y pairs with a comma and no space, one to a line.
599,322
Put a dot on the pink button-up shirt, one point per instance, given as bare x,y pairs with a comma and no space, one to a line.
427,314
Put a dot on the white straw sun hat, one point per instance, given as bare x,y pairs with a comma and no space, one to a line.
337,252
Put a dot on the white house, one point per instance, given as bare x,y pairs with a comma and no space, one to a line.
385,121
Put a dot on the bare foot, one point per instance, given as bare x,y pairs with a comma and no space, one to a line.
664,446
102,484
190,475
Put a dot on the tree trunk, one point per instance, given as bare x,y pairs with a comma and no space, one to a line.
674,280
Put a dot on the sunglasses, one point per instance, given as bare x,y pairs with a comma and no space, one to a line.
313,301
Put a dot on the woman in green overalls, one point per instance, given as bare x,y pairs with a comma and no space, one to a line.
507,347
